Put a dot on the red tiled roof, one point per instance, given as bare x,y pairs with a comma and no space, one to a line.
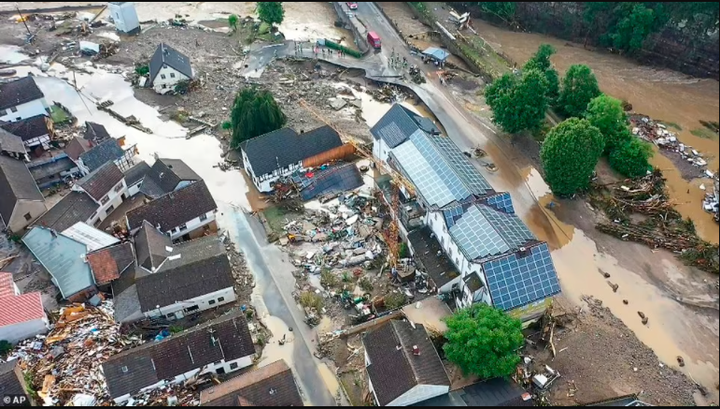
15,309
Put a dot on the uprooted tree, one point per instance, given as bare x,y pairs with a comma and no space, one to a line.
483,341
579,87
518,103
569,155
254,113
271,12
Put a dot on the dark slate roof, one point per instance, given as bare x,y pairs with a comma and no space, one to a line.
202,268
626,400
10,383
285,146
99,155
16,183
76,147
495,392
19,92
174,208
28,128
164,54
74,207
96,132
11,143
150,246
227,337
107,264
165,175
100,181
394,371
136,173
396,126
426,248
254,388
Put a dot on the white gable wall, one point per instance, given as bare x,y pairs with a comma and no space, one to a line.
26,110
419,393
203,303
166,79
191,225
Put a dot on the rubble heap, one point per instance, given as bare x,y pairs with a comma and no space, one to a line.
65,366
657,133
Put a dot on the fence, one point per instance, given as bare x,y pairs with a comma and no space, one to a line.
355,25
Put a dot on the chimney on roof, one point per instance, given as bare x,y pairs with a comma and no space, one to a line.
416,350
53,234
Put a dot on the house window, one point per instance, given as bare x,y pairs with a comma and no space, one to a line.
183,227
105,199
13,109
203,217
162,76
220,371
221,299
118,187
233,366
164,86
170,316
192,309
211,302
27,216
109,210
172,75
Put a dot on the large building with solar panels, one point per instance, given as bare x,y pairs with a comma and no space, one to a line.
470,242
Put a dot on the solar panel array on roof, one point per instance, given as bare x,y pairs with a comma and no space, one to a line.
502,202
336,179
510,227
459,162
516,280
452,214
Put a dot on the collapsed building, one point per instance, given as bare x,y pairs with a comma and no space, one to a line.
465,235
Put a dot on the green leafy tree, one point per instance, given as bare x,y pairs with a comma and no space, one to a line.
633,28
254,113
579,88
632,158
606,114
505,11
483,341
271,12
541,62
233,22
569,155
518,103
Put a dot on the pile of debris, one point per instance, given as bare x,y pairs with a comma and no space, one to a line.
712,198
657,133
64,367
387,94
244,280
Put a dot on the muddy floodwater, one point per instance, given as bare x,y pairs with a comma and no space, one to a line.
661,94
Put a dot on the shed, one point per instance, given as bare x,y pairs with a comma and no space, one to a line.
437,54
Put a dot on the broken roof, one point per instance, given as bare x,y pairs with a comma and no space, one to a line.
18,92
393,368
136,173
101,181
432,259
74,207
95,132
174,208
166,55
91,237
28,128
16,183
107,264
191,269
331,180
396,126
225,338
106,151
11,382
16,309
283,147
62,257
271,385
165,175
11,143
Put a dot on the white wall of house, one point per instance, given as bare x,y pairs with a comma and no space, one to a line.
23,330
134,189
26,110
204,302
25,212
192,225
419,393
124,16
166,79
108,203
264,182
227,367
381,150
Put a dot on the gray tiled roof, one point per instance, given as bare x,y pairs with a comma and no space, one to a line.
394,371
136,173
100,181
74,207
396,126
174,208
10,382
165,175
101,154
11,143
253,387
19,92
150,246
95,132
227,338
28,128
16,183
283,147
164,54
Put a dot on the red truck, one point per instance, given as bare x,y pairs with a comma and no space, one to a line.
374,39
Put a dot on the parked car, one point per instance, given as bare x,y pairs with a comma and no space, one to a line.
352,5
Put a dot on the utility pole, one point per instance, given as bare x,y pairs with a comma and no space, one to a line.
24,23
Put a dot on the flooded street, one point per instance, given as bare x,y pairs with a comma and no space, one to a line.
661,94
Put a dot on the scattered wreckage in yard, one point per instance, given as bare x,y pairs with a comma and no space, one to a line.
658,134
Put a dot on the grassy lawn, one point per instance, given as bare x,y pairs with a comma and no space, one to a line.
58,115
278,217
704,133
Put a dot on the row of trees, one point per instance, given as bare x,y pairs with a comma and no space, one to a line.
270,12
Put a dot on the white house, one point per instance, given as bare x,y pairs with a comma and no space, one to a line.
283,152
220,346
124,17
183,214
167,68
402,364
106,186
21,99
135,176
22,316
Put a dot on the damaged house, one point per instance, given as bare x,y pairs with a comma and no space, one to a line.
183,214
89,155
402,364
481,251
281,153
220,346
21,99
22,316
124,16
173,281
12,382
168,67
20,199
13,146
35,131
